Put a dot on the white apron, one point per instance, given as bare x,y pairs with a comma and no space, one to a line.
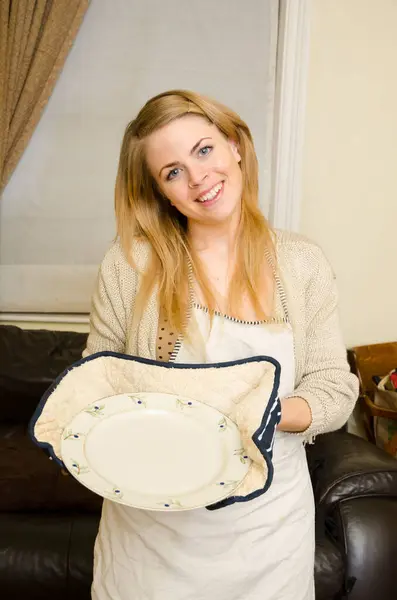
262,549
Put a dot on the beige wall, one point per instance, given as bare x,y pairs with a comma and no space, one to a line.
60,198
350,159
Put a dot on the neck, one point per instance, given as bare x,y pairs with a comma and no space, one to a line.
214,237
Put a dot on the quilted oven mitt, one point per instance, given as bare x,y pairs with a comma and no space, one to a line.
245,390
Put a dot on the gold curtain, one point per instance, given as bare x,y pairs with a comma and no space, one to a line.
35,38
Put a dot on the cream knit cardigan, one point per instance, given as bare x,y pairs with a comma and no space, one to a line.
322,375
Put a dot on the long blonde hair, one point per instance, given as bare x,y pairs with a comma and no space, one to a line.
142,212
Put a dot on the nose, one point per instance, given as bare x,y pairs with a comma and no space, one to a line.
196,176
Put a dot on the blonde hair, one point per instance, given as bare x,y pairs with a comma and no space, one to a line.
142,212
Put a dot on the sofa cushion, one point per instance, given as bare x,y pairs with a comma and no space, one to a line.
46,555
30,361
29,481
329,568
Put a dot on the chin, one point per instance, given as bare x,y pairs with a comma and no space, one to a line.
230,209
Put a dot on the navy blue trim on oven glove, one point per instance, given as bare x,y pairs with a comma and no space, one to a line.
263,437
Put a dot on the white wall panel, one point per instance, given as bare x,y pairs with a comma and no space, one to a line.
56,214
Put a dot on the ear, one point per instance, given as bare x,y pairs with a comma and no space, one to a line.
235,150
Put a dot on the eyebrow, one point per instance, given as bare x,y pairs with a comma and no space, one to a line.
192,151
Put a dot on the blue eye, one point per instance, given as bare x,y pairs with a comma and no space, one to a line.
205,150
172,174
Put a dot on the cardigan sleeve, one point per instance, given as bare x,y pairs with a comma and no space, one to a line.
327,384
108,314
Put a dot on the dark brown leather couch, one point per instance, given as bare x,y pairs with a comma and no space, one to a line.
48,522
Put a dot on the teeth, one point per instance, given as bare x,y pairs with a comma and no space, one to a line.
210,194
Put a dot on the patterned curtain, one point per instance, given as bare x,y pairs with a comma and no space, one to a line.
35,38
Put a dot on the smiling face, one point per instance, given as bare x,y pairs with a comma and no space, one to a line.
197,169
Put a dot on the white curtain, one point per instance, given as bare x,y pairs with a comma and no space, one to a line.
56,214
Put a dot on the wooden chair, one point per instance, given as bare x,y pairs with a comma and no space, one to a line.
367,362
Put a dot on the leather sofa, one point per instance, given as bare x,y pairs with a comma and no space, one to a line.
48,522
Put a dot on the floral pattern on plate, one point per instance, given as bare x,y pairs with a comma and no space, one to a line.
227,484
243,455
95,410
138,399
182,403
171,504
104,415
114,494
69,434
79,469
223,424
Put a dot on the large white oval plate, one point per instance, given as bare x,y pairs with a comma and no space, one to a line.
155,451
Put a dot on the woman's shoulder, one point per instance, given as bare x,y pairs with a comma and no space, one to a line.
117,259
292,241
297,252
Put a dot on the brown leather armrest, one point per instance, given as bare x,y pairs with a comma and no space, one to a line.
345,466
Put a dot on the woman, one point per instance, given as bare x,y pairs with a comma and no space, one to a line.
195,276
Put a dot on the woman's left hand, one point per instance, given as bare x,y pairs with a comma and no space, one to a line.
296,415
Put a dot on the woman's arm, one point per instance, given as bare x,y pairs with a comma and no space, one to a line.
296,415
108,314
327,392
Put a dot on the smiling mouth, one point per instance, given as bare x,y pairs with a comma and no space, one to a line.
212,194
